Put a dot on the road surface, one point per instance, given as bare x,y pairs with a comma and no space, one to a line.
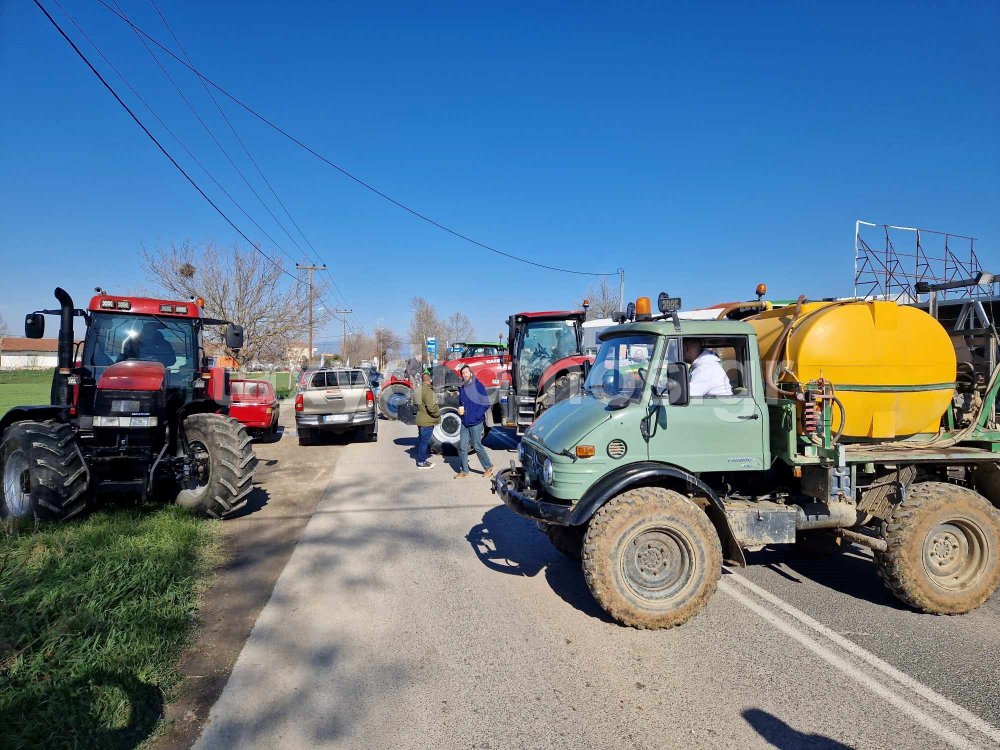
417,612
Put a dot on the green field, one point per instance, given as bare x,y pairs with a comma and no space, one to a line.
93,618
24,388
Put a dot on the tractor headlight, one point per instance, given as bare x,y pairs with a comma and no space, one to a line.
547,471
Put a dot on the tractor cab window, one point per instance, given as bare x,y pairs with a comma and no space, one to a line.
543,343
621,367
119,338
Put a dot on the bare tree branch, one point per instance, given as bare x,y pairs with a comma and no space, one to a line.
604,301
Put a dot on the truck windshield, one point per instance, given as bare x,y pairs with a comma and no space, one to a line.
116,338
543,343
621,367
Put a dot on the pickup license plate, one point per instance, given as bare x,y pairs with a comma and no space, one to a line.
336,417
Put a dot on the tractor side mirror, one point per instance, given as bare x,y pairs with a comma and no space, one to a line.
34,325
234,337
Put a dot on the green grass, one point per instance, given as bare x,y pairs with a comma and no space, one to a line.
24,388
283,382
93,618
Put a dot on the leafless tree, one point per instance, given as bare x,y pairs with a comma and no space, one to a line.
358,346
457,327
423,324
241,286
604,300
389,343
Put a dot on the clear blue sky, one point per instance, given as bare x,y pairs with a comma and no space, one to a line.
702,146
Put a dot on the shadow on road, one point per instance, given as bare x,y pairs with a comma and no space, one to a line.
849,572
779,734
508,544
256,500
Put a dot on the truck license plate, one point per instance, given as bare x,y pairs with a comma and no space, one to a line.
336,417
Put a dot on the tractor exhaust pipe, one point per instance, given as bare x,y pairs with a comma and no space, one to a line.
64,358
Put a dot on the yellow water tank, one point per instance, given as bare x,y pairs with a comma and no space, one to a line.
892,366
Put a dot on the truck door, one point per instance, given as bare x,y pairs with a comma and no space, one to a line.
715,432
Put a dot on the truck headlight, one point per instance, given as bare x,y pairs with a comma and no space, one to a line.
547,471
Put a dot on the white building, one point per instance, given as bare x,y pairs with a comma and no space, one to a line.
19,353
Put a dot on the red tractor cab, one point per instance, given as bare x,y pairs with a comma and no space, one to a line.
135,409
255,404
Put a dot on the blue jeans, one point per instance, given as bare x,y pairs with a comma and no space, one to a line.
475,433
423,443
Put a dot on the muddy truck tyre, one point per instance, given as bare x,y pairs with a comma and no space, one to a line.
42,471
224,466
651,558
568,540
943,549
390,399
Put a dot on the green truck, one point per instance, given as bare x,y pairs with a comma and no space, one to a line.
854,420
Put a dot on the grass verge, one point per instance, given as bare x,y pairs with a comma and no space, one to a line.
93,618
24,388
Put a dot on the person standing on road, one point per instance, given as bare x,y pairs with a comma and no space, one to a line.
473,404
428,415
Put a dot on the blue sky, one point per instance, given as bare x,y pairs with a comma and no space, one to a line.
702,146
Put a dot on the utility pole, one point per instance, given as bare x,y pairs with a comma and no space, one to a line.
378,350
621,288
343,341
310,269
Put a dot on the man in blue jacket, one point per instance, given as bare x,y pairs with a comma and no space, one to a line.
473,404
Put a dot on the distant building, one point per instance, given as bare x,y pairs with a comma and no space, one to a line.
19,353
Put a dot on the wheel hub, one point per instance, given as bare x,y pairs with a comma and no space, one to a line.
657,563
955,553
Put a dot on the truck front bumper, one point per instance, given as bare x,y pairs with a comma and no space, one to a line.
510,485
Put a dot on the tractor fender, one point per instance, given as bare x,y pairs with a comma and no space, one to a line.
574,363
33,414
655,474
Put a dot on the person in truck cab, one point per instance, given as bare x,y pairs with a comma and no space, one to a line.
150,344
708,378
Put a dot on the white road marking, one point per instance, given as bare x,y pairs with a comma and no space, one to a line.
920,716
928,694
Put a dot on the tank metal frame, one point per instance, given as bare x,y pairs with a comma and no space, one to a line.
886,267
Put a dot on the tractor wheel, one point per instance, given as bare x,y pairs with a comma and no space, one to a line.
448,431
563,388
224,464
566,539
652,558
943,553
390,399
43,472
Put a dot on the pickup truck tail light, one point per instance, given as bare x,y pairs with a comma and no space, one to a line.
298,403
370,399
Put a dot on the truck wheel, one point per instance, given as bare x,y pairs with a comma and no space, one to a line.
448,431
943,554
43,473
567,539
371,432
652,558
390,399
224,464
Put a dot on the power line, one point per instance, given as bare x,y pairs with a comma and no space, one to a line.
225,153
167,127
343,171
153,138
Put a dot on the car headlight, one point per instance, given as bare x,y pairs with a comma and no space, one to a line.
520,453
547,471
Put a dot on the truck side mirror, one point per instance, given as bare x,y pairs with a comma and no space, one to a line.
234,337
34,325
677,388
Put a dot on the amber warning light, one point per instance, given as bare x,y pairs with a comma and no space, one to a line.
643,308
761,290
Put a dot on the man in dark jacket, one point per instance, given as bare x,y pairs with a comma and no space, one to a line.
473,404
428,415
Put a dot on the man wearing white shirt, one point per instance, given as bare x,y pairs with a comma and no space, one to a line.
708,378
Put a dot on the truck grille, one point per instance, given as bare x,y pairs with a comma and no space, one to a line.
533,461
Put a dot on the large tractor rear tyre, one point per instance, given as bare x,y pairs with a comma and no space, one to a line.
224,463
943,554
42,471
391,397
652,558
562,389
448,432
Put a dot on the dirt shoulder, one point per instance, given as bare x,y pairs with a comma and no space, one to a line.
289,483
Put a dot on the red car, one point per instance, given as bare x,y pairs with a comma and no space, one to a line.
254,403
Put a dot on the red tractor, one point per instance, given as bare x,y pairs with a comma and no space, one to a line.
134,410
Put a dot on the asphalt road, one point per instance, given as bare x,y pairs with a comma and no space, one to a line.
417,612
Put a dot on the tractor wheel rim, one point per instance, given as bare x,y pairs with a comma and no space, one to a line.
955,553
450,428
17,485
657,564
196,447
394,401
